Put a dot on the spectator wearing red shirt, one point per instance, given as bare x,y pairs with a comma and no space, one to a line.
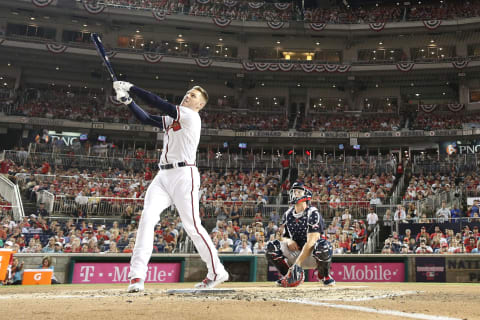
471,244
345,244
148,174
437,232
5,166
45,169
258,217
422,233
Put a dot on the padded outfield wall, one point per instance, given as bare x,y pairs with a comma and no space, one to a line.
106,268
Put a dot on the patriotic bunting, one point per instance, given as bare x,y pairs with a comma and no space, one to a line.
93,7
203,1
152,57
248,66
320,68
317,26
42,3
427,108
221,22
203,62
455,107
308,68
377,26
255,5
460,64
286,66
405,66
273,67
56,48
230,3
113,100
282,6
343,68
159,15
262,66
432,24
275,25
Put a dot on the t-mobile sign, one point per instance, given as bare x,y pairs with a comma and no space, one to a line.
364,272
90,272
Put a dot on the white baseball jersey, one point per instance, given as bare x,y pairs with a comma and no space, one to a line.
181,137
177,186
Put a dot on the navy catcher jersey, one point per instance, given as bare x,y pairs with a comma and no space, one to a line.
298,225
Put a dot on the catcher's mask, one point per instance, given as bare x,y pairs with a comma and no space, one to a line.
299,193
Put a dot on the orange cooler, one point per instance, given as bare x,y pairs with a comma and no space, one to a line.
37,276
5,257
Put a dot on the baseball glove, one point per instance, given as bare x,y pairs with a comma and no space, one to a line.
294,277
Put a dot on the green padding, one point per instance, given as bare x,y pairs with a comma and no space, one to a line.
251,259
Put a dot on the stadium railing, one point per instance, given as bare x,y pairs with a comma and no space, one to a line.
46,198
11,193
96,206
431,204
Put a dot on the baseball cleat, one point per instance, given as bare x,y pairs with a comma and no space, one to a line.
136,285
209,284
329,281
278,283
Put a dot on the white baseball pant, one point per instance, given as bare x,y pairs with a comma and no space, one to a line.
309,263
178,186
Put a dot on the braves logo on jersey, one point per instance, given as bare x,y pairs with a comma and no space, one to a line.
176,125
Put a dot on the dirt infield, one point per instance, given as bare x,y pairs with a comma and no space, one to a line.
249,301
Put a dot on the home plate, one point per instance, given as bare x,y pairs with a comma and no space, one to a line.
200,291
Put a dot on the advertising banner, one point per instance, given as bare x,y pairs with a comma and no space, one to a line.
463,269
364,272
93,272
430,269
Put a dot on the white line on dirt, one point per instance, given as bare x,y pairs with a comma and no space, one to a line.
412,315
31,296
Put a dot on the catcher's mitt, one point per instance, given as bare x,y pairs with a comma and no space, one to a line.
294,277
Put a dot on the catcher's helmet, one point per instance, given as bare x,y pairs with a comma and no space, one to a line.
299,193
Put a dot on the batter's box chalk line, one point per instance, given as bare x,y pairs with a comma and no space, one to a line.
201,291
412,315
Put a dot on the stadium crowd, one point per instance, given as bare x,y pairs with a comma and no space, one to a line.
350,123
340,14
58,103
438,121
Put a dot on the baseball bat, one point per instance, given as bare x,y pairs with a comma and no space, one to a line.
101,51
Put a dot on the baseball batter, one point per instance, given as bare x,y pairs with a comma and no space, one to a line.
302,246
177,182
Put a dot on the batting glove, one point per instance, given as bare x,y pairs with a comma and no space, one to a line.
122,85
123,97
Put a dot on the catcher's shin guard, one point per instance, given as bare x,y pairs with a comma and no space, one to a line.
322,251
275,256
323,269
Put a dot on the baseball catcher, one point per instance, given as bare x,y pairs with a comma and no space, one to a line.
302,246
